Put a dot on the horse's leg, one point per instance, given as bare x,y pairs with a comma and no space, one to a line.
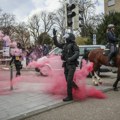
98,78
94,81
115,88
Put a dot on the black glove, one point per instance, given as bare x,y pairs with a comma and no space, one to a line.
54,32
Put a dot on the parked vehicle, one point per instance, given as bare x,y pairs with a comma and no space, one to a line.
57,52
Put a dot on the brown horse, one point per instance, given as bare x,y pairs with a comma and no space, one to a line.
98,57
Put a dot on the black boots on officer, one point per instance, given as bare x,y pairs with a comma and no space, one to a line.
69,91
110,60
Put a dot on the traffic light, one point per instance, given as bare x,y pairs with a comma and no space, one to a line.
78,20
81,19
69,14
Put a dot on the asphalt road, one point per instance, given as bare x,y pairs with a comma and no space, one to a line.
90,109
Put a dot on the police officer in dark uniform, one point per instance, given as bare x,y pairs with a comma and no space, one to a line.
70,54
85,56
17,61
111,38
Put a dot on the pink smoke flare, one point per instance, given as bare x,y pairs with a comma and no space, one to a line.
56,83
7,40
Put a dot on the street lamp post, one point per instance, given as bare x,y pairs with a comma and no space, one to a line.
11,77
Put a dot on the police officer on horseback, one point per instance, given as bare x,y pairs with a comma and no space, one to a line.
111,38
70,54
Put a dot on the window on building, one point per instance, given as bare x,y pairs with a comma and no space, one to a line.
111,2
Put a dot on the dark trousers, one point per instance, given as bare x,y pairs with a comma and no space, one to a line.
69,71
18,68
113,50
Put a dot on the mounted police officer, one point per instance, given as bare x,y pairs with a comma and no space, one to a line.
111,38
70,54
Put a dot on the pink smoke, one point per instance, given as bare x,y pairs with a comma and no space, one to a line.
6,38
56,84
38,64
16,52
13,44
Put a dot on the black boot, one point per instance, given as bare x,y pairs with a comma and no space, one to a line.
18,73
110,61
67,99
74,85
115,88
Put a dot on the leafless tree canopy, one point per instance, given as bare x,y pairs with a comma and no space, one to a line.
34,26
6,22
40,23
21,34
47,21
91,20
60,20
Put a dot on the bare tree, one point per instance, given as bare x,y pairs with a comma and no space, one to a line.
21,34
47,21
34,26
59,19
40,23
6,22
89,17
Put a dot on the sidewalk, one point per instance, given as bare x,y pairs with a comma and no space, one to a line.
21,102
4,67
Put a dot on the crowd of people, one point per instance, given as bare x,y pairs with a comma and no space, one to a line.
18,54
34,52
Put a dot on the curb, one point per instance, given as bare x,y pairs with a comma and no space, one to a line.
8,69
35,112
47,108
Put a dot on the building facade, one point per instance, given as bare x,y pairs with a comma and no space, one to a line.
111,6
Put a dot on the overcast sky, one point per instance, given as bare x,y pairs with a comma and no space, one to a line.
24,8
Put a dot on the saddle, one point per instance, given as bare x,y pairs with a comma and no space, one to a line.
106,52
